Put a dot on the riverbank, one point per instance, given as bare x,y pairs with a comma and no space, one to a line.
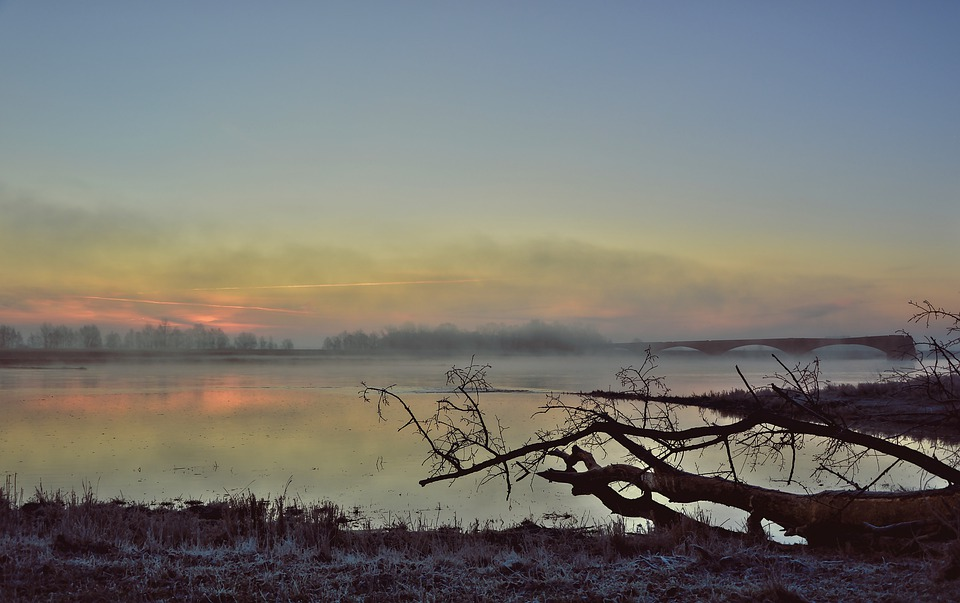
891,408
74,548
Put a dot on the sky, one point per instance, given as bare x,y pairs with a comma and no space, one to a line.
653,170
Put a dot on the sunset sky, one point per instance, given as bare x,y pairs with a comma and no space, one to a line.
656,170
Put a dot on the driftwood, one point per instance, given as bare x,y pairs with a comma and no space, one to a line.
462,441
821,517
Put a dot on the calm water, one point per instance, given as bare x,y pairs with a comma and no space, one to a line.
200,430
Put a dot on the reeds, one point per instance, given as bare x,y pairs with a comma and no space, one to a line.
67,546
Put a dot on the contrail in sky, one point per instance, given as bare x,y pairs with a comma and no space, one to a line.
325,285
173,303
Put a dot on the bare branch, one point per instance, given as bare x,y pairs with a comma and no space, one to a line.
463,441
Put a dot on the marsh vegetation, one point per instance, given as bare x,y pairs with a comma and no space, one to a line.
58,546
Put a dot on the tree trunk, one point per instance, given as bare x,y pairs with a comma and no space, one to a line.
820,518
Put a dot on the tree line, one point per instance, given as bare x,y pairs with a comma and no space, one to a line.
162,336
532,338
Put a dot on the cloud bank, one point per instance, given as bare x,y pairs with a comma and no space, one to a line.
119,268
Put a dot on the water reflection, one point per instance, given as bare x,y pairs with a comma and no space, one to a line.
152,432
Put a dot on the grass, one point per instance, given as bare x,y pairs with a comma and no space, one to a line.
71,547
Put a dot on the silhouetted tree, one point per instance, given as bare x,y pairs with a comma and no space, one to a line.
10,338
114,341
162,333
245,341
89,336
536,337
938,366
356,341
60,336
160,336
220,339
131,340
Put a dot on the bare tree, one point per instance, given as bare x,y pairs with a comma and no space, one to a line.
937,374
60,336
642,425
10,337
245,341
90,337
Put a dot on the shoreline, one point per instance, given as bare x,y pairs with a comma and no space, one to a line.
893,408
249,549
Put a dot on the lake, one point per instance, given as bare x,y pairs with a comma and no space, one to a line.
159,430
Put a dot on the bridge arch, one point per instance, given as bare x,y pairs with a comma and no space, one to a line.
894,346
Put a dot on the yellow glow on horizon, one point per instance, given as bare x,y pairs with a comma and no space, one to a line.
286,287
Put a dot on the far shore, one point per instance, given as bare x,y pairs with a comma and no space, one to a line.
26,357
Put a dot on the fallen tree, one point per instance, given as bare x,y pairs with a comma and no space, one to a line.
463,441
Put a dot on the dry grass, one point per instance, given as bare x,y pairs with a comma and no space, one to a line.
71,547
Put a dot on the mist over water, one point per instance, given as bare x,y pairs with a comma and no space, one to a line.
157,431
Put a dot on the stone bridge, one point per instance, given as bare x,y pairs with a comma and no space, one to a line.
894,346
